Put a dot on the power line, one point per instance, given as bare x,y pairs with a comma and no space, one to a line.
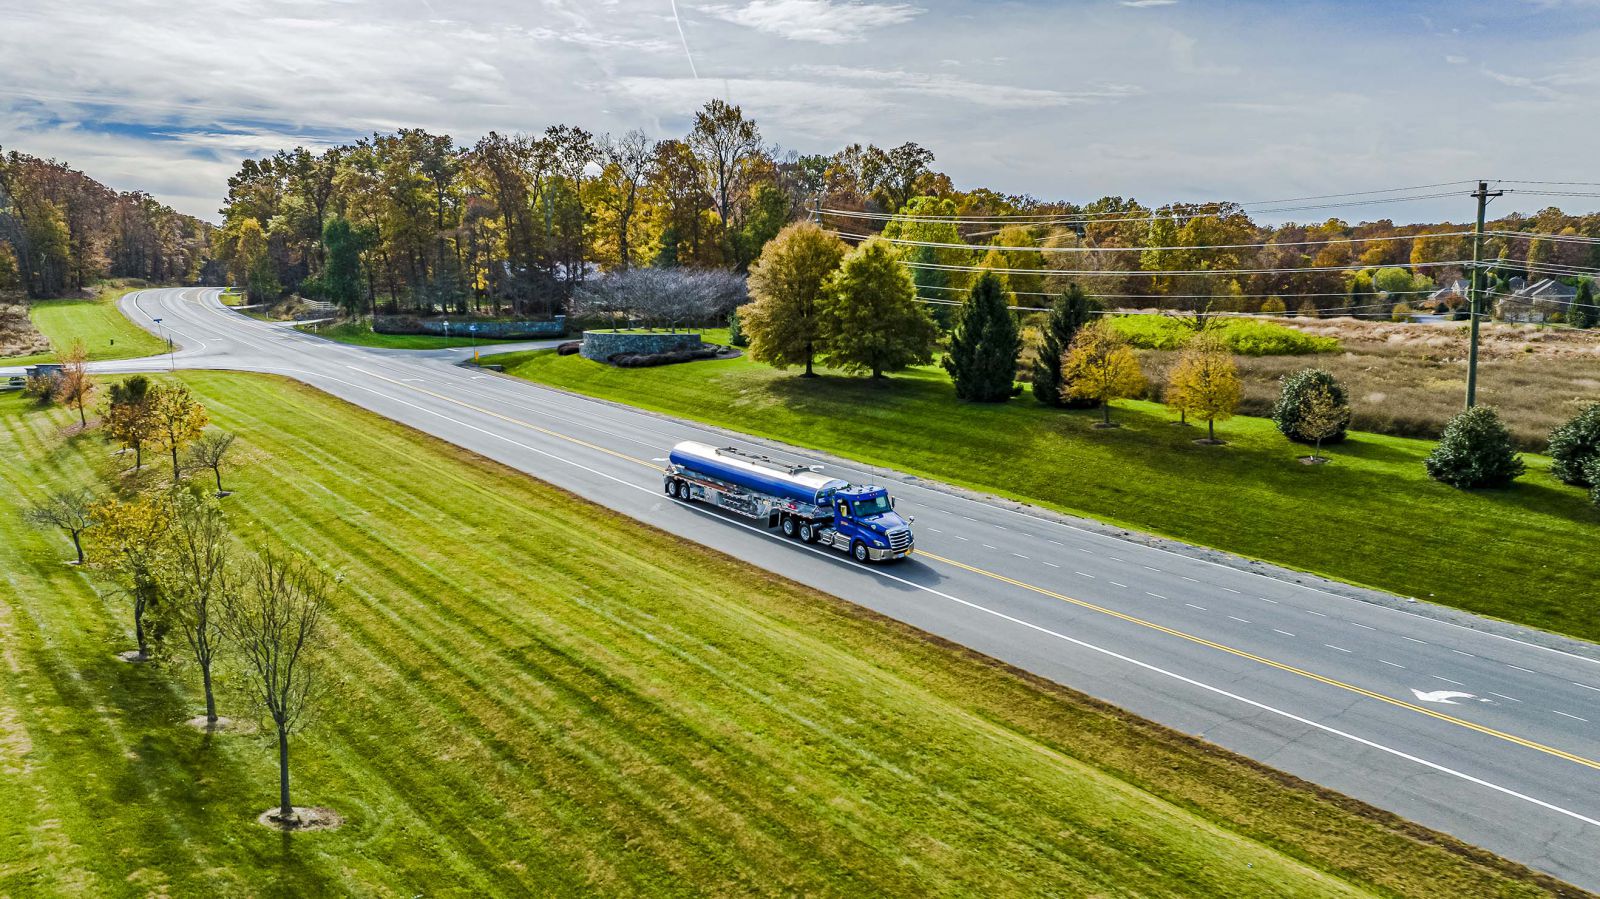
1223,246
1183,296
935,266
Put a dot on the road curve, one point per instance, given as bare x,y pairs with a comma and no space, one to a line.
1489,738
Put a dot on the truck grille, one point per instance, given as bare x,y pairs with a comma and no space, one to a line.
899,539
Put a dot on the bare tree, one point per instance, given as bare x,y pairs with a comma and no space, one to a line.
209,450
197,580
276,623
70,510
723,141
627,164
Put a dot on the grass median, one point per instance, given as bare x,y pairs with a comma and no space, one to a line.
1372,517
538,695
106,333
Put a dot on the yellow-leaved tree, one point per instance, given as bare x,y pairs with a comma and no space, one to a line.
1204,383
1101,366
179,419
784,321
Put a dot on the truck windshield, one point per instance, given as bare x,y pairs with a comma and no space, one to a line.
873,505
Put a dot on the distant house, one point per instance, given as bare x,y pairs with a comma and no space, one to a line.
1451,295
1537,302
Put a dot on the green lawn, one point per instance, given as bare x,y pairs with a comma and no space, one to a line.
1526,554
540,697
360,333
106,333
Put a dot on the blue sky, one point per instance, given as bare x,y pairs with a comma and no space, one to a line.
1154,99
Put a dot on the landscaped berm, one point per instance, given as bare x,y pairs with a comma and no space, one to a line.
537,696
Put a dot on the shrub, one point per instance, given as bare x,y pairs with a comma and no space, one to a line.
569,348
647,360
1592,472
1575,446
1400,313
1475,451
1274,305
1292,402
736,331
1247,337
41,388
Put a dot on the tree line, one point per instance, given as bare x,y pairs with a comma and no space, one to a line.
61,231
194,594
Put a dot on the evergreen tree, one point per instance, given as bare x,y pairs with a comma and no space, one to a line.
983,350
1068,314
869,315
1291,402
1583,313
341,277
1575,446
1475,451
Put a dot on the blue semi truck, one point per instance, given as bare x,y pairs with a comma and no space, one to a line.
798,500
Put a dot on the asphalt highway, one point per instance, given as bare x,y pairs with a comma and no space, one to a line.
1485,736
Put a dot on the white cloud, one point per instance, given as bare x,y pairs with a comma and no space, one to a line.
821,21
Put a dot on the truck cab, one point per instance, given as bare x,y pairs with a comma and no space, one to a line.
866,524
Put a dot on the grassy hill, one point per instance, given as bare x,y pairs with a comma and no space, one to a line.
106,333
537,696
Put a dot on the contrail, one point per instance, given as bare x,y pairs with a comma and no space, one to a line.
685,39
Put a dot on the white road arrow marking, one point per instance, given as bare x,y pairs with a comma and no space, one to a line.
1444,697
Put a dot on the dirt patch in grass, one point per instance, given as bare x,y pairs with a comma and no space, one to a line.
304,819
18,336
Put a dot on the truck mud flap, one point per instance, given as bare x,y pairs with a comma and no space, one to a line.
772,519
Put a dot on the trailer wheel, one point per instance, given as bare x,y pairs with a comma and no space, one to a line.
672,487
808,533
786,525
859,550
683,491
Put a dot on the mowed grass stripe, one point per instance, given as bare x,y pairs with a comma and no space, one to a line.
543,697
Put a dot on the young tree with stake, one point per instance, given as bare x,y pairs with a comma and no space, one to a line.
179,419
129,419
76,387
1101,366
208,452
1321,416
276,623
197,579
1205,383
70,510
132,547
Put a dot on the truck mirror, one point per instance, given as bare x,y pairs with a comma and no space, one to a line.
891,502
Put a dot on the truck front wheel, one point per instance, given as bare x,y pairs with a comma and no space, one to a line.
859,550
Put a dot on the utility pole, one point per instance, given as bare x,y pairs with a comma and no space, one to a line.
1475,290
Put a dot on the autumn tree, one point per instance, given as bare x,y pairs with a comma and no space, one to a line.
982,360
72,511
626,164
1101,366
1291,403
75,387
196,580
129,418
723,142
276,622
1068,314
1319,416
132,548
208,451
787,283
1204,383
871,320
179,419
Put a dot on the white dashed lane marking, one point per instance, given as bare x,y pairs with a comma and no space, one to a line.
1447,680
1237,618
1504,696
1573,717
1021,556
1414,640
1051,564
1115,584
1522,669
1083,574
1395,664
1193,606
1586,686
1318,614
1340,648
1264,599
1285,633
1156,595
1229,589
1460,652
1362,626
